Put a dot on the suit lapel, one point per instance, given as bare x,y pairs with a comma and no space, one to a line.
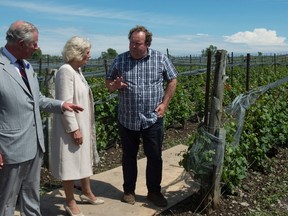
15,74
10,69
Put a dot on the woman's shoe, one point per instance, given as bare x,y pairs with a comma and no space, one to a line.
94,202
68,210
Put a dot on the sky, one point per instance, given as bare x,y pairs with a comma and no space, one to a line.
183,27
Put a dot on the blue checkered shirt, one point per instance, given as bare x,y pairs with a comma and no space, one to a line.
145,78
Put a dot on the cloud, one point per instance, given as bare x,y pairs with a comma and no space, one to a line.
260,36
77,11
202,34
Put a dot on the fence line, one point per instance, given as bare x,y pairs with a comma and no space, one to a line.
98,65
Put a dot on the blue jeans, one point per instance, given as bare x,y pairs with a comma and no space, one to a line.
152,138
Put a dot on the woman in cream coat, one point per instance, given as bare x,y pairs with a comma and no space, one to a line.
73,149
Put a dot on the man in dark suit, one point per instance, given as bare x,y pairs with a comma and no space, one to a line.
21,133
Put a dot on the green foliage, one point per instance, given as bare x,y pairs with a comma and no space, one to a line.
265,127
37,54
212,48
110,54
180,108
235,164
105,113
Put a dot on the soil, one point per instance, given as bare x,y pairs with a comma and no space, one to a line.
261,193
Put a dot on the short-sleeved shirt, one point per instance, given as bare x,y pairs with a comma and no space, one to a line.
145,78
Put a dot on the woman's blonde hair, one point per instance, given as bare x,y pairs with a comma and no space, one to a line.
75,49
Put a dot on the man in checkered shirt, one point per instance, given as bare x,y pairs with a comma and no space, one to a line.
139,76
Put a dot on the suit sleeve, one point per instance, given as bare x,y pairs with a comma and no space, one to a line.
64,90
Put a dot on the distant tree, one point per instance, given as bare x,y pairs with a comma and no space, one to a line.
37,54
260,54
212,48
110,54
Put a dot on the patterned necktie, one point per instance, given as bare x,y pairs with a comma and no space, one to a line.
23,73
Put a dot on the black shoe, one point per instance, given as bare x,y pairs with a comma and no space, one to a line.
157,199
128,198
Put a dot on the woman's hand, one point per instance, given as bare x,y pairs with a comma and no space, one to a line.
77,136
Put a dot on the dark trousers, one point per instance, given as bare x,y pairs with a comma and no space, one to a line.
152,138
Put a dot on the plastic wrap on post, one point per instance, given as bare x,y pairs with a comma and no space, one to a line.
202,155
242,102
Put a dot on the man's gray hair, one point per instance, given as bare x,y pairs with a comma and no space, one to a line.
20,30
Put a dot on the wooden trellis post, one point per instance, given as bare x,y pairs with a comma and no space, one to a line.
215,123
211,188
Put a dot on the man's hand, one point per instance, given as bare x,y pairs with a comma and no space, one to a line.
116,84
71,107
119,83
160,110
1,161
